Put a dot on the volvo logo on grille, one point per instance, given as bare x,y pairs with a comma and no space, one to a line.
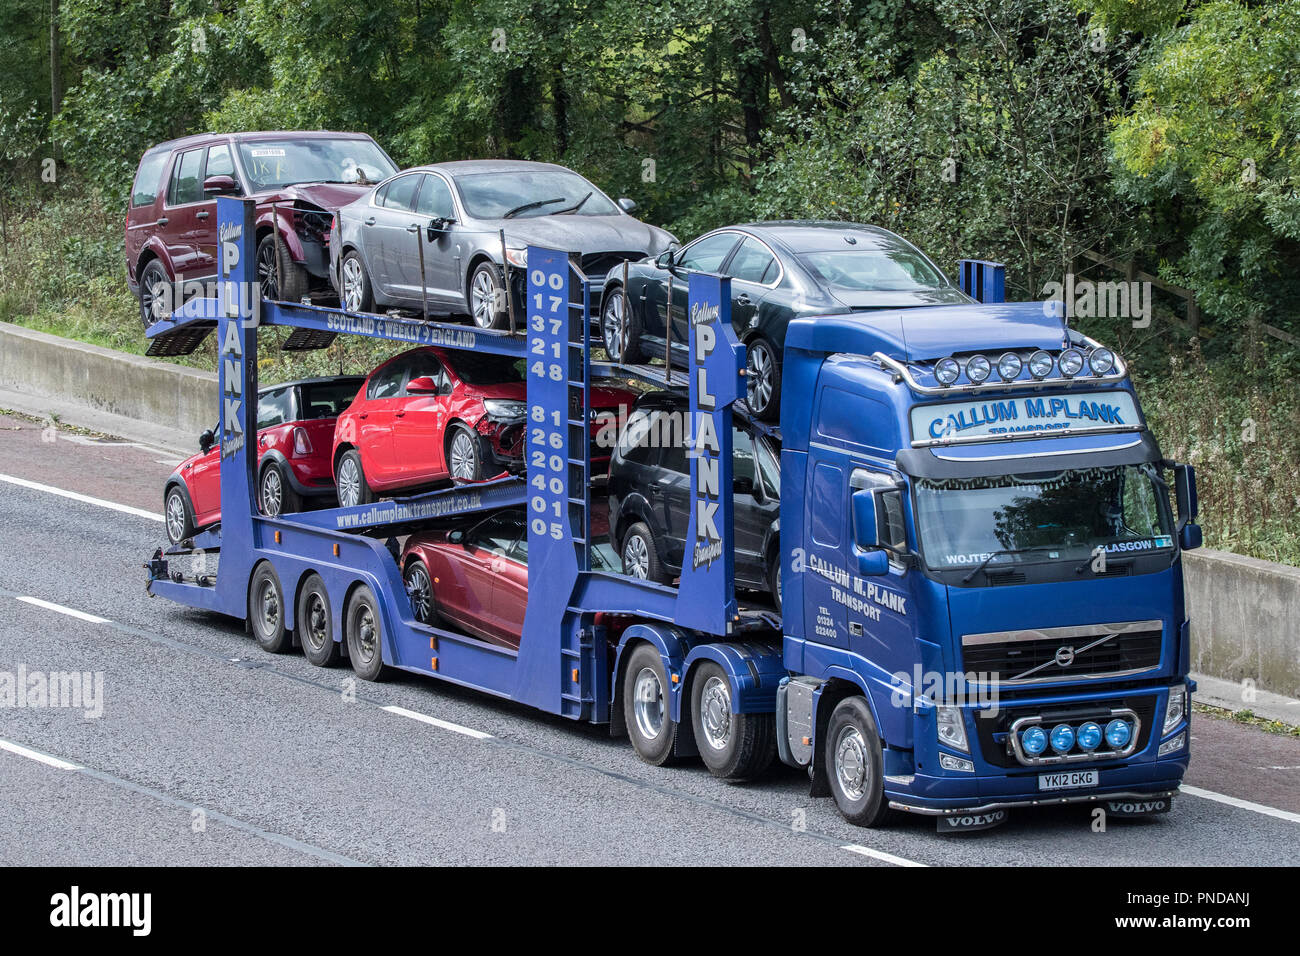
1064,656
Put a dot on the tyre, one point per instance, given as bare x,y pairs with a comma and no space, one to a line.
357,293
645,707
487,303
419,586
855,764
464,454
266,610
763,379
365,635
620,329
350,480
774,577
179,515
315,623
292,275
156,293
733,746
275,494
640,559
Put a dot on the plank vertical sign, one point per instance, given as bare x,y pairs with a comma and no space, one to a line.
238,307
706,598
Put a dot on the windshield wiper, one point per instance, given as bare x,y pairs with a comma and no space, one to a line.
574,208
531,205
983,564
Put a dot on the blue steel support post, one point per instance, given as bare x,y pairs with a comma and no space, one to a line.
238,303
706,599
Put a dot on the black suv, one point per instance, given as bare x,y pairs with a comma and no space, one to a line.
650,496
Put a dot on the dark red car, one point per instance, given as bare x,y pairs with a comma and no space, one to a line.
481,575
429,415
295,436
171,222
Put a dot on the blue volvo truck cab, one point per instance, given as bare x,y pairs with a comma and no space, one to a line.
984,591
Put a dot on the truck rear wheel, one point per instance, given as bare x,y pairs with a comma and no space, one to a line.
365,635
315,623
645,707
266,610
734,747
855,764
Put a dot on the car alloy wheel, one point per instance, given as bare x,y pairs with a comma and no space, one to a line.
636,557
176,516
761,369
272,492
354,284
464,456
614,328
421,593
349,482
483,296
266,278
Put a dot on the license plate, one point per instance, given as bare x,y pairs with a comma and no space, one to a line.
1067,780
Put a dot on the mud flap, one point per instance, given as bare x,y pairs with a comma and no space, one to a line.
970,822
1137,806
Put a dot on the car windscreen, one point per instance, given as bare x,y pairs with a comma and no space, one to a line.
271,163
476,368
873,270
1042,517
521,194
327,399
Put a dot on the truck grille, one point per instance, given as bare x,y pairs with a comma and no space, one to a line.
1064,653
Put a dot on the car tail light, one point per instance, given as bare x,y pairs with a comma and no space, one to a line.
301,443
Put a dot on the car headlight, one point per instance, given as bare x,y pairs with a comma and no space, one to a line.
1175,708
952,730
517,257
505,410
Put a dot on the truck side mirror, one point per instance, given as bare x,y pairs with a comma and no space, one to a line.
1185,492
1190,537
872,558
206,441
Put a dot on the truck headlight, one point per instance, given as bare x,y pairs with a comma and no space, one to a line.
978,369
1175,708
504,410
1101,361
952,730
1040,364
946,370
1070,362
1009,366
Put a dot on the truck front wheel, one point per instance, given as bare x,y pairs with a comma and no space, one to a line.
855,764
734,747
645,707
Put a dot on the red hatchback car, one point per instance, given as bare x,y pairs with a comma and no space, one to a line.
295,435
429,415
171,222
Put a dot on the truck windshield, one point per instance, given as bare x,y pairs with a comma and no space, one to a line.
272,163
1041,517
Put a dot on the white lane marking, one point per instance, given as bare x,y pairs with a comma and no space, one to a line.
70,611
1241,804
37,756
85,499
881,855
444,724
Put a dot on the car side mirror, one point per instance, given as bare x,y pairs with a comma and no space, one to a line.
625,204
424,385
743,486
456,537
220,186
206,441
437,226
668,258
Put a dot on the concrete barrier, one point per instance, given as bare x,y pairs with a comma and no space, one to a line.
1245,616
171,397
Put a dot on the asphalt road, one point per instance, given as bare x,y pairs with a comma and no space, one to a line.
210,752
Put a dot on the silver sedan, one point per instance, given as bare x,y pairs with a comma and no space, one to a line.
430,238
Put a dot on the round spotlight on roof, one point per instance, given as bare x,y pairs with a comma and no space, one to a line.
1040,364
1009,367
1070,362
978,369
1089,736
1118,733
1062,738
1034,741
1101,361
946,370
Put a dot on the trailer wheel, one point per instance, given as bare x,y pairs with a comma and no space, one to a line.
350,481
365,635
179,514
645,707
315,623
734,747
266,610
420,587
855,764
620,329
640,559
